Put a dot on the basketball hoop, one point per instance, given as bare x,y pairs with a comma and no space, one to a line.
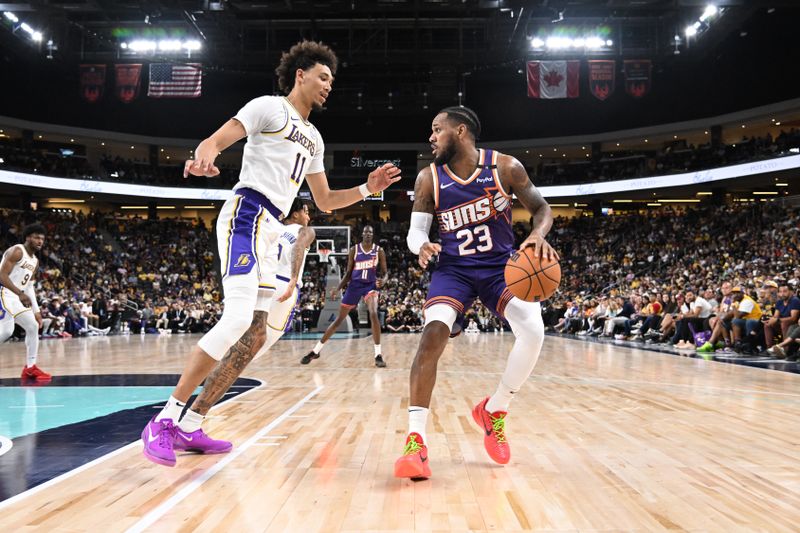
324,253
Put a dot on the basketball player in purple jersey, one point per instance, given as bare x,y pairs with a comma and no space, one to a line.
361,281
470,193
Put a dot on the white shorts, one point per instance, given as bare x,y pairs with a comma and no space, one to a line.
280,313
10,305
247,231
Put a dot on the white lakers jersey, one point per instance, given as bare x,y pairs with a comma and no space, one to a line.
282,147
286,244
24,270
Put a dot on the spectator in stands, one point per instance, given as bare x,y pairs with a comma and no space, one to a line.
746,320
786,314
695,318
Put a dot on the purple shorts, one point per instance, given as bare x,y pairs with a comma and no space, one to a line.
458,286
357,290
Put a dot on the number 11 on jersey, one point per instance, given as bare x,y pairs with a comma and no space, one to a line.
298,172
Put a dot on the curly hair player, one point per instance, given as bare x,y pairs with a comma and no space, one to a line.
283,149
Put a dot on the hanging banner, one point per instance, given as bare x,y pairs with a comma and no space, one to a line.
637,77
553,79
601,78
93,82
127,82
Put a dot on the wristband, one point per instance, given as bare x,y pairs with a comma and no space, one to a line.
364,190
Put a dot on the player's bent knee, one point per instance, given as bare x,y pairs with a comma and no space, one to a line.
525,319
441,313
225,333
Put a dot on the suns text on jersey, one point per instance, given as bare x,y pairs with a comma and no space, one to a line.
297,136
474,212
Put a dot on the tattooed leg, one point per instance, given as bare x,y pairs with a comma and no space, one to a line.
231,366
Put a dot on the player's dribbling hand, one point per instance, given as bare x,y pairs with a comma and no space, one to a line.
25,299
383,176
333,294
378,283
541,248
428,250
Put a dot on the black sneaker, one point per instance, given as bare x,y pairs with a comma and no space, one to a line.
379,362
308,357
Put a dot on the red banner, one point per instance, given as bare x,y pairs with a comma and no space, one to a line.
93,82
601,78
128,77
637,77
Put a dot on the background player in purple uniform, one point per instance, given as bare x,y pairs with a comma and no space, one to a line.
361,281
470,193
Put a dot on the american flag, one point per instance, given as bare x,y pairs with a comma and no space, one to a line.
175,81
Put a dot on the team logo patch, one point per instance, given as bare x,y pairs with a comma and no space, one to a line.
243,260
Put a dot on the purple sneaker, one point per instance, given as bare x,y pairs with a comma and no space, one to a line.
159,439
198,441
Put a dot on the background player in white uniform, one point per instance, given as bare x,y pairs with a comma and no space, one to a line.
18,299
291,251
282,150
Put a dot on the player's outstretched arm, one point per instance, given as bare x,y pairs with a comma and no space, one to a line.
208,150
10,258
305,237
516,181
328,200
418,238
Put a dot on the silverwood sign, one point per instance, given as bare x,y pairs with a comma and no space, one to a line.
406,160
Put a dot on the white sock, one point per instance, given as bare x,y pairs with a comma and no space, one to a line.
31,360
318,348
171,410
191,421
377,350
500,399
417,418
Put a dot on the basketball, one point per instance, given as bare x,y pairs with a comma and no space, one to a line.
531,279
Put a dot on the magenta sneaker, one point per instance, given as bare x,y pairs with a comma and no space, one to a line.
159,439
198,441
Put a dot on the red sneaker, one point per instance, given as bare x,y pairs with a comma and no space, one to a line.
414,461
494,427
35,373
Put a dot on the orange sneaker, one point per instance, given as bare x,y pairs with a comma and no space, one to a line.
414,461
35,373
494,427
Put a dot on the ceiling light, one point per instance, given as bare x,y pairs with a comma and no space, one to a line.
710,11
11,16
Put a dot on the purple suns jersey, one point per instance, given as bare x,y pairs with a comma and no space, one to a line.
365,264
474,215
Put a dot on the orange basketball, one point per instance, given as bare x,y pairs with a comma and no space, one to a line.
531,279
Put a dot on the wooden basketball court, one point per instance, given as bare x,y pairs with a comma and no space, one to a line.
603,438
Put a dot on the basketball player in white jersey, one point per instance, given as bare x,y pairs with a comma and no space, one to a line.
18,300
291,250
283,149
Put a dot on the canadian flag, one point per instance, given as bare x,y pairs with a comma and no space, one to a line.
553,79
